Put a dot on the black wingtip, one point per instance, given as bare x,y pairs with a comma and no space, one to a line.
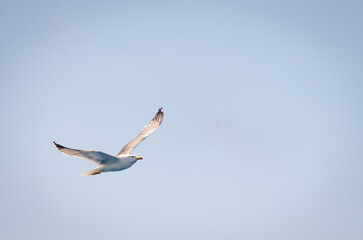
160,112
159,116
60,147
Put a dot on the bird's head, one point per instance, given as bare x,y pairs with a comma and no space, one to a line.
136,158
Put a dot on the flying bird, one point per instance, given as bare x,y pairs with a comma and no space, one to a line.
124,159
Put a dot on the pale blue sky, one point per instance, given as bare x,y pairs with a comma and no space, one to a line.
262,136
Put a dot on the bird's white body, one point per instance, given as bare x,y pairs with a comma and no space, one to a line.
122,163
113,164
123,160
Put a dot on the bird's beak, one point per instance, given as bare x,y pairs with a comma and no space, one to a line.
139,158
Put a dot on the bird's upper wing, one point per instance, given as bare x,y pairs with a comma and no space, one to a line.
96,157
144,133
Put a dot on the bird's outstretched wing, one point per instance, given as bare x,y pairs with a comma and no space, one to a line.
144,133
96,157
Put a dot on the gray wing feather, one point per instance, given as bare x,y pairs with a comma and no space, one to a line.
144,133
96,157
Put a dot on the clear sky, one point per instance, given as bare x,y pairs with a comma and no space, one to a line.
262,136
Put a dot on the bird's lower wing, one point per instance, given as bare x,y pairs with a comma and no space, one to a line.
96,157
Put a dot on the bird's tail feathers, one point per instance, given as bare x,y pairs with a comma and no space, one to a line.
92,172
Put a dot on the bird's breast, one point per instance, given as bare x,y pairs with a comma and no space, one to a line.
121,165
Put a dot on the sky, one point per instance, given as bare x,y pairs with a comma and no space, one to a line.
262,135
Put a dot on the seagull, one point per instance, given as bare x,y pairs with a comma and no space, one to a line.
123,160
